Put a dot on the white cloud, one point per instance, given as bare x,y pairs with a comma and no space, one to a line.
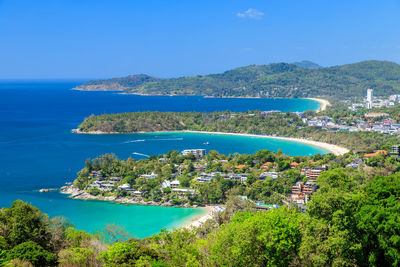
251,13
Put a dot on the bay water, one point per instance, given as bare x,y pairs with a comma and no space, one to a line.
38,150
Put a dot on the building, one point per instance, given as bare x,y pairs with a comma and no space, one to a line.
197,152
309,187
376,153
355,164
125,187
149,176
240,166
266,165
370,98
294,165
297,188
207,177
312,173
376,114
238,177
272,175
395,151
175,184
183,191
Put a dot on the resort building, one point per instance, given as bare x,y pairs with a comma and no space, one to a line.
125,187
183,191
273,175
355,164
369,98
197,152
294,165
238,177
312,173
149,176
207,177
175,184
395,151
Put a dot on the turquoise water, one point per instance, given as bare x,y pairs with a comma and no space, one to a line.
38,150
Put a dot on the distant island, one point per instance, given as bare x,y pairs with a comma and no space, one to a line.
296,80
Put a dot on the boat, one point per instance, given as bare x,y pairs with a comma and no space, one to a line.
206,143
48,190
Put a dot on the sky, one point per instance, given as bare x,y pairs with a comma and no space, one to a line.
50,39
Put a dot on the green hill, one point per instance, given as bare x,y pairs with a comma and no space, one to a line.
116,84
306,64
280,80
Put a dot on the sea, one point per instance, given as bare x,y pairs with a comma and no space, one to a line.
38,149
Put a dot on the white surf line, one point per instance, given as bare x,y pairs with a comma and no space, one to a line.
140,154
134,141
166,139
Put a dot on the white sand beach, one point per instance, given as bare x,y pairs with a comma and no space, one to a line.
324,103
199,220
337,150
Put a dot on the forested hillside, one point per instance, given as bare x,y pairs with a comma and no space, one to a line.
272,80
116,84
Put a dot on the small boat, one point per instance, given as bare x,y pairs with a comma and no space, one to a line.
48,190
206,143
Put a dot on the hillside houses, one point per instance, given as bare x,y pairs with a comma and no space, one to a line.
385,125
312,173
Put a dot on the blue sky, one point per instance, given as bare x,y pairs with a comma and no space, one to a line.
171,38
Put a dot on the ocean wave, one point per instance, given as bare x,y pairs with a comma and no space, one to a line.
166,139
135,141
140,154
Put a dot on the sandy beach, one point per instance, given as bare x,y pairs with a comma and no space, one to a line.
324,103
199,220
337,150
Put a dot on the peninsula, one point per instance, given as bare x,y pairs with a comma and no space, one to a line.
269,124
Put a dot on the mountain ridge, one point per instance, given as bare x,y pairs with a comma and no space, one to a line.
271,80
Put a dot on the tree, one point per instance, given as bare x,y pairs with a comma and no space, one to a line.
114,233
81,257
88,164
58,227
77,238
379,221
178,247
256,239
33,253
128,254
22,222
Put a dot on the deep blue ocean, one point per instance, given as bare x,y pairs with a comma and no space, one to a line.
38,150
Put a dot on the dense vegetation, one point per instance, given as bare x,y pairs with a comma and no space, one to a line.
279,80
254,122
186,168
117,84
352,220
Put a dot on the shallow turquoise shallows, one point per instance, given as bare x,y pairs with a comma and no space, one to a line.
38,150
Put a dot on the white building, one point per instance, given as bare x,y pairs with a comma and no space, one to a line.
197,152
149,176
370,98
183,190
208,177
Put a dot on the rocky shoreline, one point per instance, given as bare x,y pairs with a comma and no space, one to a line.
76,193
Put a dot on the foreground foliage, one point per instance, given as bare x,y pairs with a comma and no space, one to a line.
351,221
